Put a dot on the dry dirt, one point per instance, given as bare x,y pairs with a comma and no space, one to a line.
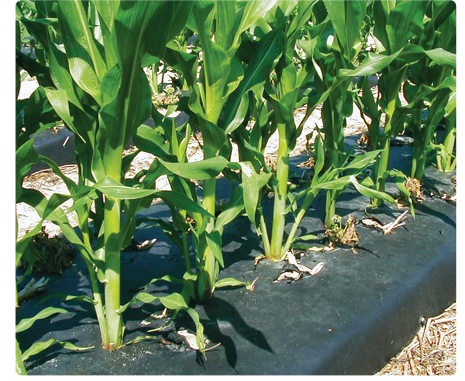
432,352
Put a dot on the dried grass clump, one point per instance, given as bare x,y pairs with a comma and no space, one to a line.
432,352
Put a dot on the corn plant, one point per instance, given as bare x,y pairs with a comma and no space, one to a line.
393,28
102,95
286,23
439,32
344,21
393,32
441,101
212,108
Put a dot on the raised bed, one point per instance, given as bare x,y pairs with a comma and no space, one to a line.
351,318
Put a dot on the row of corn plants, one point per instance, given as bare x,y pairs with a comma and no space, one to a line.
251,66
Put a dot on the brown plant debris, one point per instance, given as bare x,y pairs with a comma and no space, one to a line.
52,254
289,276
272,162
251,288
432,351
364,141
453,194
258,258
191,340
146,245
414,187
291,258
310,163
416,192
388,228
338,234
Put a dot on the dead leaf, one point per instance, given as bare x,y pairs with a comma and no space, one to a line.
372,222
251,288
163,315
317,269
293,261
258,259
388,228
190,339
288,275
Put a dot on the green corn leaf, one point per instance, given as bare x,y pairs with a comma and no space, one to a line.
26,156
201,170
60,74
149,140
213,137
362,161
251,189
110,84
306,237
84,197
374,63
183,62
107,10
115,189
371,193
66,298
216,63
254,11
265,57
232,209
347,18
404,21
303,16
156,30
225,20
198,328
230,282
20,368
239,114
336,184
442,57
174,301
214,242
85,61
41,346
59,101
25,324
